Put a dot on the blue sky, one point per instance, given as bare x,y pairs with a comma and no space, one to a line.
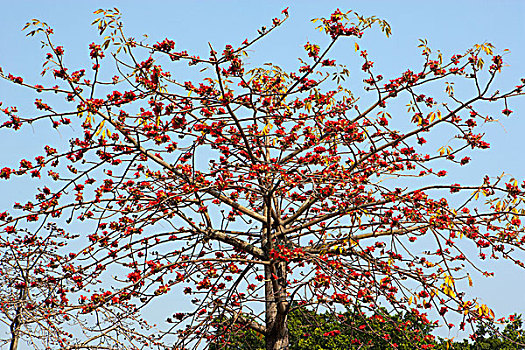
451,26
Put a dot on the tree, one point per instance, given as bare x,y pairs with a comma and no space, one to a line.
311,330
36,285
487,337
350,329
249,193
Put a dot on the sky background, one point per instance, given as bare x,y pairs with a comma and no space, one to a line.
450,26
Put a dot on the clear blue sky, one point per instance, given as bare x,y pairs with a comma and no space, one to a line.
451,26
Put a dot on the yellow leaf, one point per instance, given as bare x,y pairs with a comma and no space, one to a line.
267,129
100,127
449,280
480,63
356,47
448,291
470,281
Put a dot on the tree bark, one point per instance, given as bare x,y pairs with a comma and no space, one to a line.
277,337
17,321
274,289
15,330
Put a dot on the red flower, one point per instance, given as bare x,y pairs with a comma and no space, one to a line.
5,173
332,333
59,50
506,111
464,160
96,51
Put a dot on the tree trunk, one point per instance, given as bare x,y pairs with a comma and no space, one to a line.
275,290
14,342
277,336
17,321
276,313
15,330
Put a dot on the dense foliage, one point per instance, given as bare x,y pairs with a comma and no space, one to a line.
350,330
